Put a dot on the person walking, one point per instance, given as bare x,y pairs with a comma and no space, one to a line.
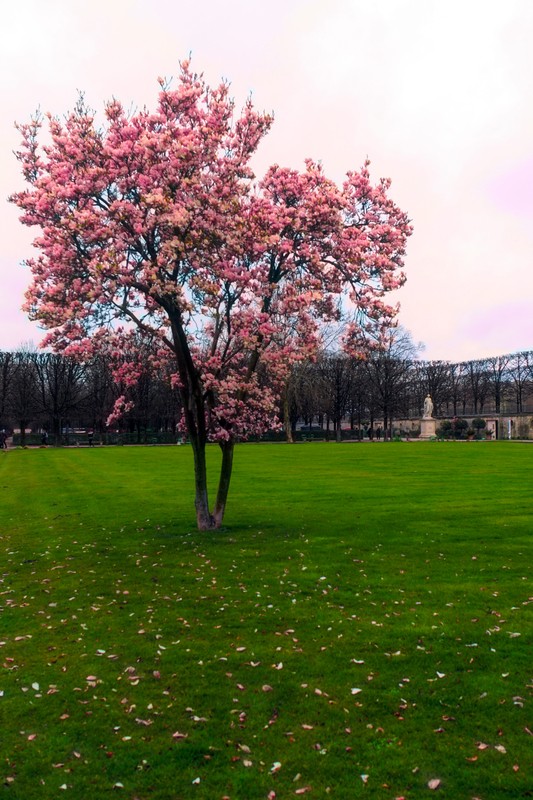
3,440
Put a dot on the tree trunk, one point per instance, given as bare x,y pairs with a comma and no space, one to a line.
56,430
224,481
287,419
204,517
206,520
194,400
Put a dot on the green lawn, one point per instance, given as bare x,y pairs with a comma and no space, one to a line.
361,628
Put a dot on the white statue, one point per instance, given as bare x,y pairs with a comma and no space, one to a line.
428,407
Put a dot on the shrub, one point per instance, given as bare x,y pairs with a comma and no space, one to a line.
459,428
445,430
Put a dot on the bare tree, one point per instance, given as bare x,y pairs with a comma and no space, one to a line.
23,400
7,375
433,378
60,390
520,373
336,376
477,383
360,401
99,395
389,370
498,379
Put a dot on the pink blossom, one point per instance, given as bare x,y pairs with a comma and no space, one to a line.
153,235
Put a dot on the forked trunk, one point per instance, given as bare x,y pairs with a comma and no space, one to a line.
206,520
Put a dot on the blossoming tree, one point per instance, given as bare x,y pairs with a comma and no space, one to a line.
154,230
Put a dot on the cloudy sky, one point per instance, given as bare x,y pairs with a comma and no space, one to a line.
439,96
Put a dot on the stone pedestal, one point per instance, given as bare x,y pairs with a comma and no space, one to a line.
427,428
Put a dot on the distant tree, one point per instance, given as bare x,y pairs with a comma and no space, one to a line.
155,402
433,378
497,376
389,370
457,388
99,394
152,226
166,404
521,375
306,393
336,375
7,374
477,383
361,405
24,405
60,391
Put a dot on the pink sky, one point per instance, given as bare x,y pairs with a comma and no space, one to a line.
437,94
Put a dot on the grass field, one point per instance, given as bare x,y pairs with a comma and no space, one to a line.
361,628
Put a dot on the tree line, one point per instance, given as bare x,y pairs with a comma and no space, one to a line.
43,391
388,386
57,393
